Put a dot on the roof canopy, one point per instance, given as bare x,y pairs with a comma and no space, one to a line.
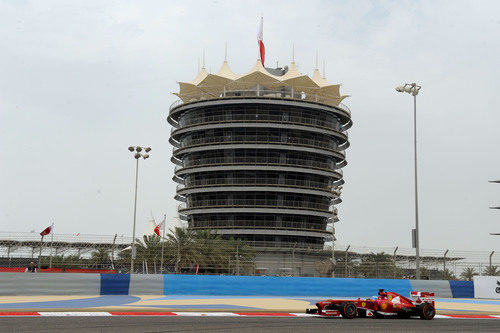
259,82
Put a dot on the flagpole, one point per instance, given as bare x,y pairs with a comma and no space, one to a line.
40,254
51,242
262,37
162,243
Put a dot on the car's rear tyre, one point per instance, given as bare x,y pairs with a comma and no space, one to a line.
348,310
426,311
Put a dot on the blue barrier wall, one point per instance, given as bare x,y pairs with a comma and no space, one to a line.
115,284
138,284
279,286
462,289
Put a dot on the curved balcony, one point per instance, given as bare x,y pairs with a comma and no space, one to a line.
247,160
309,124
255,203
253,224
208,182
178,108
249,117
265,139
269,188
338,157
339,138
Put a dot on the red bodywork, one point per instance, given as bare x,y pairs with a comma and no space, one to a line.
385,304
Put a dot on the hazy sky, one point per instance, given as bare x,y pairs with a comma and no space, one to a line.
80,81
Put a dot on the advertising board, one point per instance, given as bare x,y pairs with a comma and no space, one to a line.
487,286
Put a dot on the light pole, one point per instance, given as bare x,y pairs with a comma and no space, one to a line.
497,207
336,190
136,150
413,89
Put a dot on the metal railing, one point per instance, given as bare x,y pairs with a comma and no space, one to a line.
239,117
258,203
268,94
207,182
236,139
259,224
258,161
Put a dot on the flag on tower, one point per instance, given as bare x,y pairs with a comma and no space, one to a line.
47,230
160,226
260,41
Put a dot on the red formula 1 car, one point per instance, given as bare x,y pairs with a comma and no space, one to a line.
385,305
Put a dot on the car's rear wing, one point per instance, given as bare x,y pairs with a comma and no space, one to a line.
422,296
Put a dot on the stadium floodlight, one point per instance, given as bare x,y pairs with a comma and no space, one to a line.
137,156
413,89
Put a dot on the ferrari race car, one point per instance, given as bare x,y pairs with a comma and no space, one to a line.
386,304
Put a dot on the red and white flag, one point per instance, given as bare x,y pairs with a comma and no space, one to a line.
160,226
260,41
47,230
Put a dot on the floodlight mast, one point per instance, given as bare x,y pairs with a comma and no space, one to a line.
413,89
136,150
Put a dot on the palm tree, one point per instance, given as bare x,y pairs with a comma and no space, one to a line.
72,262
183,246
377,265
209,249
60,261
148,251
492,271
243,254
99,257
447,275
468,273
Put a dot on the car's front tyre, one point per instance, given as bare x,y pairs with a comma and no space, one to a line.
348,310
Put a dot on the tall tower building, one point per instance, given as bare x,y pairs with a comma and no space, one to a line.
259,156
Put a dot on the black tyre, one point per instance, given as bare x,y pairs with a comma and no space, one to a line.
348,310
427,311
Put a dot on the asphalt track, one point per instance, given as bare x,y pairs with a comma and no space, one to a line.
240,324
